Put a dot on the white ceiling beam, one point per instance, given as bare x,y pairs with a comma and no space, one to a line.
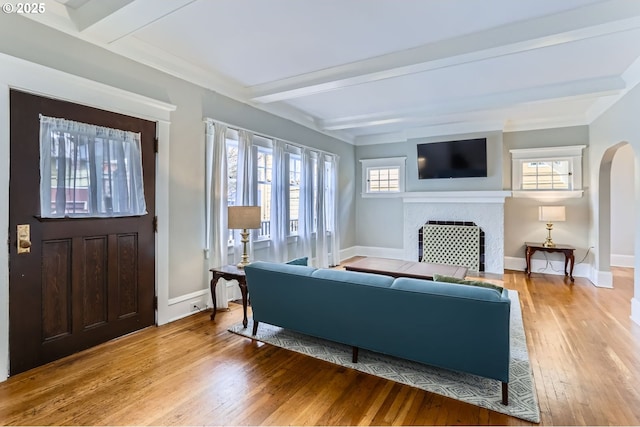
589,88
594,20
94,11
108,22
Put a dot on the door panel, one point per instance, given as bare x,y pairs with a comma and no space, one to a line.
85,280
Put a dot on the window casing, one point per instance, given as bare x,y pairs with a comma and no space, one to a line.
549,172
383,177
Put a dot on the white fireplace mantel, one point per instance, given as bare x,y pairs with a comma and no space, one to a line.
456,196
484,208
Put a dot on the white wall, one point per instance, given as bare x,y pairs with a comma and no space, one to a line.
623,210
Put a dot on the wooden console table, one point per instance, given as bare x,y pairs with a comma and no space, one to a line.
230,272
567,250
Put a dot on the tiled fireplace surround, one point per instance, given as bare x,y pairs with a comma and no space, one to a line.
484,208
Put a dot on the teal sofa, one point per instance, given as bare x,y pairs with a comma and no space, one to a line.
453,326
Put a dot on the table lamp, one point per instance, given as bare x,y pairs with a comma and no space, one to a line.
550,214
244,218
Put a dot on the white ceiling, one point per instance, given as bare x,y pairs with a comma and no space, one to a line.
372,71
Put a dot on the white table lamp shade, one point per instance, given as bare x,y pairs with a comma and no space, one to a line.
551,213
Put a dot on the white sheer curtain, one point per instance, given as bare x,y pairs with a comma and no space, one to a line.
305,208
89,171
332,216
216,230
245,187
279,185
322,256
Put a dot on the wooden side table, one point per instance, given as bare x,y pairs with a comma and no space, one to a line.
567,250
230,272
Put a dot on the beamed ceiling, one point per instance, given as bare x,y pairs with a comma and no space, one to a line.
373,71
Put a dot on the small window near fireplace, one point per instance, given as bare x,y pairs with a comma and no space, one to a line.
383,177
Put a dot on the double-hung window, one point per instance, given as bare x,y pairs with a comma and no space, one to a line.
264,178
295,170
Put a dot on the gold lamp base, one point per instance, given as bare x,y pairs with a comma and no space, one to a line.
548,243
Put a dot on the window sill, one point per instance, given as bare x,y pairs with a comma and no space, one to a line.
548,195
382,195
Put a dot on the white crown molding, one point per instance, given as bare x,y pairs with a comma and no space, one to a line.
497,196
631,78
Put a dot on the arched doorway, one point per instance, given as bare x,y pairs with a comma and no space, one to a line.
604,208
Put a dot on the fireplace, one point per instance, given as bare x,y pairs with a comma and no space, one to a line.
484,209
475,259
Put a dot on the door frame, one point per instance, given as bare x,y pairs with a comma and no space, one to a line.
16,73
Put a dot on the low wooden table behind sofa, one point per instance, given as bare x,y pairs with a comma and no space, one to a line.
399,268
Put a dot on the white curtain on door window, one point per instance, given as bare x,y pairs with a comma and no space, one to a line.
89,171
216,230
279,185
245,190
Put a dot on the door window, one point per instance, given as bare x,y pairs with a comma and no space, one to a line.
89,171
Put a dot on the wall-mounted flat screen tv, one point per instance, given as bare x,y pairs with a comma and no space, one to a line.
453,159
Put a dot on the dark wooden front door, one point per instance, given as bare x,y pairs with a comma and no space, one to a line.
86,280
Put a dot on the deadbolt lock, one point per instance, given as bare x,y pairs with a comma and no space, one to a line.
24,238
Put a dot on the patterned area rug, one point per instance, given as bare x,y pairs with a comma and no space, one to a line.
479,391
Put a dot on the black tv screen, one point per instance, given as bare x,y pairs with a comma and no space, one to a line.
453,159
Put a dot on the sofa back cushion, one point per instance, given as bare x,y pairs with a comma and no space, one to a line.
447,289
367,279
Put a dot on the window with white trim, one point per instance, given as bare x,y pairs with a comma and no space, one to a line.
538,172
383,176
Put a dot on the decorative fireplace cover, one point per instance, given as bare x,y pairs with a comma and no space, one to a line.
452,245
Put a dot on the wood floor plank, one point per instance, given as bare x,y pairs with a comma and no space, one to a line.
584,350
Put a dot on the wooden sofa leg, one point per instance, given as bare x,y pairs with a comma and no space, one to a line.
255,327
505,394
354,355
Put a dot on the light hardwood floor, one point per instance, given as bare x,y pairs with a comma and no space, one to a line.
584,349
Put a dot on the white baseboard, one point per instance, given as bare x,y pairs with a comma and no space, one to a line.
623,260
635,310
373,251
182,306
601,279
542,266
348,253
